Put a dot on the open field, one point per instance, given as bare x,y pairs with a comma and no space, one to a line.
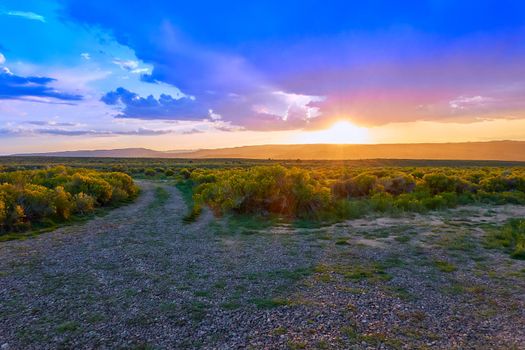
145,277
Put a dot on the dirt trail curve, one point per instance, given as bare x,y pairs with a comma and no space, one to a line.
138,278
135,278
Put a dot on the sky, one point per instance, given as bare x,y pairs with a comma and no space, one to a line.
204,74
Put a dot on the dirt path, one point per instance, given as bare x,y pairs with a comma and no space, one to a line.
138,278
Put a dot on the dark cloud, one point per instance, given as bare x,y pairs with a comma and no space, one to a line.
16,87
70,132
165,107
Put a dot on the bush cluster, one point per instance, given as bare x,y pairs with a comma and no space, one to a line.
31,197
338,193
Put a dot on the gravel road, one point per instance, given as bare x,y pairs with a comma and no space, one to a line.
138,278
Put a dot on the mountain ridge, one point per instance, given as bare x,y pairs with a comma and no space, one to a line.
488,150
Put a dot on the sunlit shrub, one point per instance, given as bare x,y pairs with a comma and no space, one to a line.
408,202
358,186
41,196
62,202
396,185
100,189
302,192
83,203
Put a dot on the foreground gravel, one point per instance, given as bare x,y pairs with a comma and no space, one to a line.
138,278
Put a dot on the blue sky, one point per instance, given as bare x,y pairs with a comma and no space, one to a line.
169,74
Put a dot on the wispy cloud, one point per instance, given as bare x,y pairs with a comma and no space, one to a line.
80,132
126,64
2,58
27,15
19,87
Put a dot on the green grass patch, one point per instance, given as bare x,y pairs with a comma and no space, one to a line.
510,237
354,272
445,266
68,326
161,196
269,303
185,188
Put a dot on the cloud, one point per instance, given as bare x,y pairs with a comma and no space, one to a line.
192,131
27,15
49,123
80,132
18,87
165,107
347,64
465,102
126,64
2,58
85,56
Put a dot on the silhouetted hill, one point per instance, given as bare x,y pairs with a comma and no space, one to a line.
493,150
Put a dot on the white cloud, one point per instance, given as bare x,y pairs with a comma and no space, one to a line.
465,102
141,71
213,115
85,56
27,15
126,64
2,58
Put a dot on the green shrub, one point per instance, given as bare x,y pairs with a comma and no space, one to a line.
150,172
40,196
434,203
382,202
511,237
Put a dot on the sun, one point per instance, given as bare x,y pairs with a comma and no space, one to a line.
340,132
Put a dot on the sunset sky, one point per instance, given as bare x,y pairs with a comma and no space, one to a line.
204,74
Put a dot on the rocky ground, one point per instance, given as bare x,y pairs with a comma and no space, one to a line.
138,278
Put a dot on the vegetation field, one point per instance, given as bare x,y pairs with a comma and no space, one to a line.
32,199
220,254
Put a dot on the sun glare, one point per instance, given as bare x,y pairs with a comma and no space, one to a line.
340,132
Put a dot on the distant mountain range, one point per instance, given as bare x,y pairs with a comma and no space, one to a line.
493,150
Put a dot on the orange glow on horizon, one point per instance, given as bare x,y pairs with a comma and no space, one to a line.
341,132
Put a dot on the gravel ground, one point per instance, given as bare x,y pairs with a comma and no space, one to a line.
138,278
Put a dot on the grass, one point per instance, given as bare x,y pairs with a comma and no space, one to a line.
245,224
269,303
185,188
68,326
231,305
445,266
510,237
161,196
352,271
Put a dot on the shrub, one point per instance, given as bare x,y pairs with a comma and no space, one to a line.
382,202
399,184
62,202
100,189
359,186
408,202
83,203
39,196
150,172
434,203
